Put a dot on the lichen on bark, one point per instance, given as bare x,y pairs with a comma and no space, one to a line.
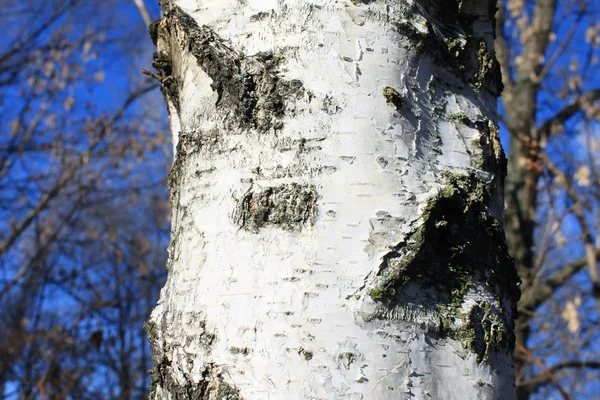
393,97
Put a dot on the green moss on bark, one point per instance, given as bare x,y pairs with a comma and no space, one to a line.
486,330
418,39
393,97
459,117
489,154
455,239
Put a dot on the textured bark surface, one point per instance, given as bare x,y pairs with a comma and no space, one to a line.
336,195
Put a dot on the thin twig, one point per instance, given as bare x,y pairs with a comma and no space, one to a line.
545,370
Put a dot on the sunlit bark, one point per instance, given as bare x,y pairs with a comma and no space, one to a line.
336,203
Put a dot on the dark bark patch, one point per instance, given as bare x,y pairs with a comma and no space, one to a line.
249,89
289,206
492,156
459,240
306,354
458,245
488,74
449,39
486,330
260,16
244,351
188,143
346,359
169,377
164,70
393,98
330,106
212,386
162,63
153,31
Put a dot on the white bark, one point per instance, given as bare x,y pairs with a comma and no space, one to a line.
336,196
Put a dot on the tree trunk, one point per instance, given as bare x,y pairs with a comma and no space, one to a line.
337,198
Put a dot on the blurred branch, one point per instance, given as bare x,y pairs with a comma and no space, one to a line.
565,43
547,376
568,111
17,47
546,372
534,297
71,171
502,49
536,40
588,239
141,6
42,251
15,149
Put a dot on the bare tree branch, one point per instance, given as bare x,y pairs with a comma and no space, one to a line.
531,385
546,372
502,49
568,111
70,172
535,296
563,46
536,40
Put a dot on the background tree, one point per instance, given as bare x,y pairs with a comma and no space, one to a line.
548,50
82,205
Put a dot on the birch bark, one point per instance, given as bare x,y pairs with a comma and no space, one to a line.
336,202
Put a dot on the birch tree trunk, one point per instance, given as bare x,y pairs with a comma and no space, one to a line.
337,202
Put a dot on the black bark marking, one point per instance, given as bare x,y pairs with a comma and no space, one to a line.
153,31
458,246
288,206
212,386
450,40
248,88
169,377
393,97
164,69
